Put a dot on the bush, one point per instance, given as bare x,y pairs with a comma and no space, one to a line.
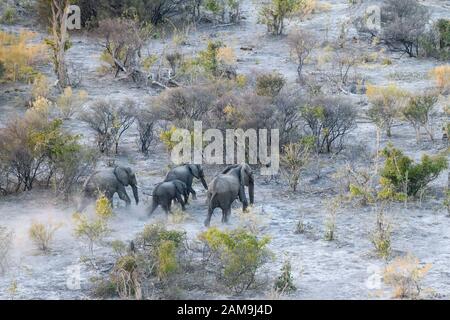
9,15
404,24
5,247
69,102
93,230
123,39
385,105
110,120
436,42
155,11
164,247
328,120
409,178
41,87
418,113
301,44
441,76
19,57
443,25
381,236
405,275
285,281
236,255
217,60
294,159
35,147
269,84
226,11
147,120
274,14
42,234
183,106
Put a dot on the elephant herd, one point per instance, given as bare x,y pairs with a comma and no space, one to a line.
222,191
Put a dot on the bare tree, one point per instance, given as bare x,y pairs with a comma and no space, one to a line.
123,40
110,120
301,44
147,120
59,40
404,22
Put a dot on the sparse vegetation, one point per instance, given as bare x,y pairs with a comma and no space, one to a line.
328,120
42,234
294,159
381,236
285,281
19,57
418,113
235,256
405,275
401,175
386,103
93,230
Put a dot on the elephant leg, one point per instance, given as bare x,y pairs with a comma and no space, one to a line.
194,194
243,198
123,195
226,215
154,206
181,201
166,207
208,217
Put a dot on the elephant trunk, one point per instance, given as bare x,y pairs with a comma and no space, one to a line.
205,185
251,191
135,193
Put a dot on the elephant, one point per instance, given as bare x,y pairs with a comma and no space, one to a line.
227,187
186,173
110,181
165,192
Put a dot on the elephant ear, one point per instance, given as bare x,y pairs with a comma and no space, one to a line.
194,170
123,175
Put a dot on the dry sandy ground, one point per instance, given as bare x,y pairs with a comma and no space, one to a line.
325,270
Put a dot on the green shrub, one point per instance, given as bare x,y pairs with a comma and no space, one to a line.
93,230
163,247
274,14
208,58
236,255
381,236
418,113
443,25
9,15
270,84
42,234
285,281
406,177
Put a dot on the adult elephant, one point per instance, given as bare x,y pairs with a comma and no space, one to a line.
227,187
109,182
165,192
186,173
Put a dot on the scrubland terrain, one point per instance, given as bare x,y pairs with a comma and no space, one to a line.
351,227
